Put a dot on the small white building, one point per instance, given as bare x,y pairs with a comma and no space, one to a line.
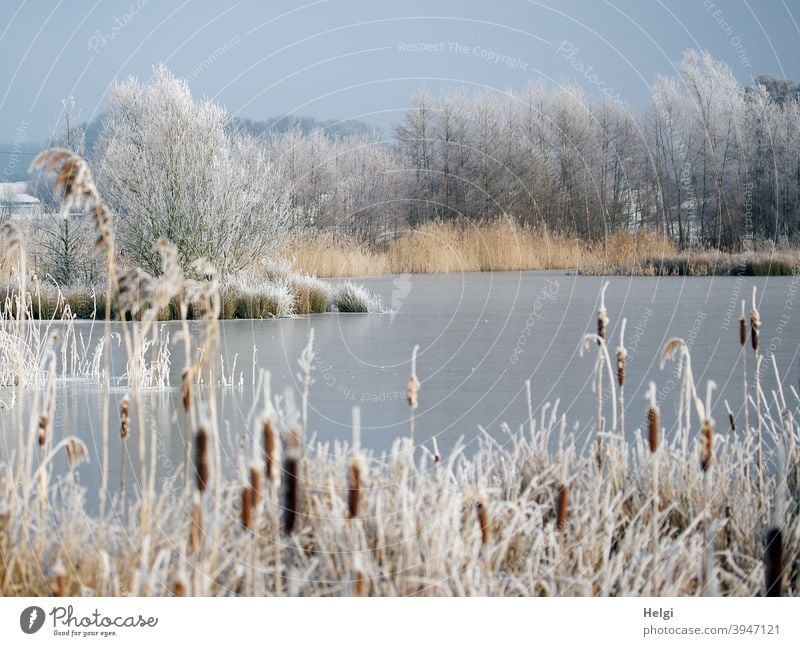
15,201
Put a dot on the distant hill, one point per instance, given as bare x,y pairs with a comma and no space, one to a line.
334,128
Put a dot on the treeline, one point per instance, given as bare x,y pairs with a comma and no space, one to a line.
710,162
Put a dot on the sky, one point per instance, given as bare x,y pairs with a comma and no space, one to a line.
364,59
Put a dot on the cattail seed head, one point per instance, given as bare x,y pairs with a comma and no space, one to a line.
180,588
755,323
43,425
360,583
255,486
742,328
270,451
773,563
124,417
354,487
291,493
483,521
412,392
186,388
731,418
706,444
247,508
59,580
201,459
653,421
602,324
563,507
622,355
652,428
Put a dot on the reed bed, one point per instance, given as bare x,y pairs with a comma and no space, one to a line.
703,511
502,245
458,246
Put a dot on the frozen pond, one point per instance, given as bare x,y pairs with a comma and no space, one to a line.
481,336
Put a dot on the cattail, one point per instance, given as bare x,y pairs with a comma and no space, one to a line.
412,392
360,583
196,529
201,459
43,425
124,418
255,486
186,385
755,323
602,318
731,418
653,423
652,427
622,354
247,507
180,588
291,494
437,457
59,580
773,563
270,451
354,487
563,507
742,328
706,444
483,521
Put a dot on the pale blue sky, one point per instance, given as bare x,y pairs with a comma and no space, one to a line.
351,58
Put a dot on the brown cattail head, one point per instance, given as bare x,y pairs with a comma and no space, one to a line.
412,392
270,451
247,508
44,422
124,417
59,580
652,428
622,354
201,459
180,588
732,421
742,328
360,583
755,323
563,507
291,492
706,444
354,487
483,521
255,486
602,324
196,528
755,326
186,387
773,563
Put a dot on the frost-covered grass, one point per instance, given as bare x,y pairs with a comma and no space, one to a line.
248,295
350,297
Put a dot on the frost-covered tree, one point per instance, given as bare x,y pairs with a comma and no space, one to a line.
173,166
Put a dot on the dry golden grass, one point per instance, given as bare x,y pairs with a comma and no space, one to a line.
444,247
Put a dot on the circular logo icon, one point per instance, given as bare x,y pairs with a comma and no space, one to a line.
31,619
